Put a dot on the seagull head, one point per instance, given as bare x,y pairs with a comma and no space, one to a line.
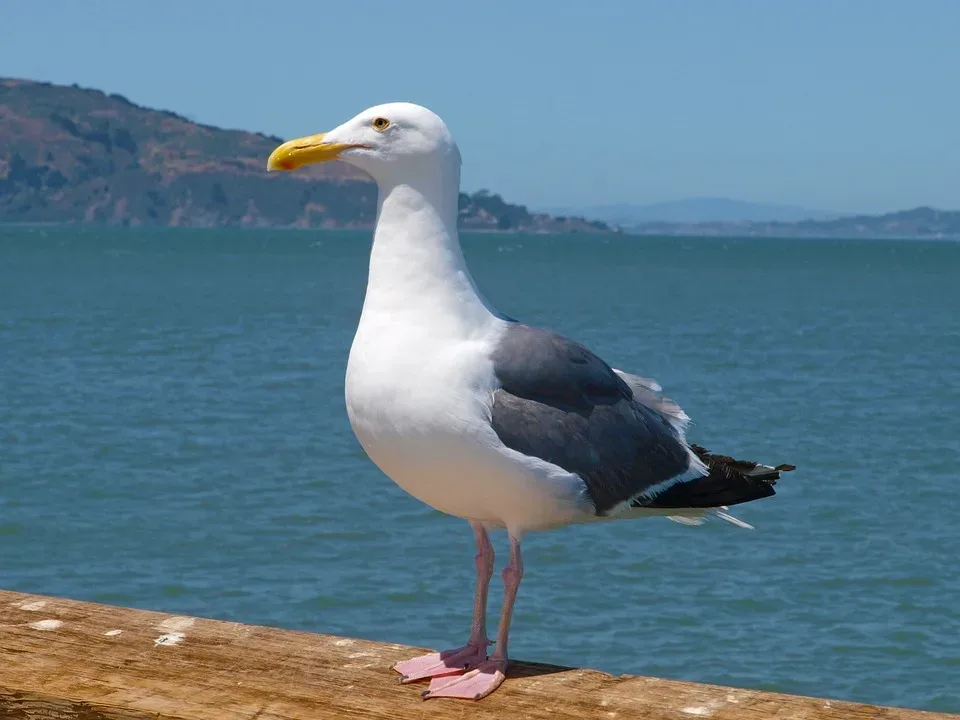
381,140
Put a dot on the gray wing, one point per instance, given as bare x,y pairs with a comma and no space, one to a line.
560,402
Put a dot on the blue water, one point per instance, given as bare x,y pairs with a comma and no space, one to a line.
173,437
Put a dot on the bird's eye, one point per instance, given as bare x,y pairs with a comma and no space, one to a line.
380,124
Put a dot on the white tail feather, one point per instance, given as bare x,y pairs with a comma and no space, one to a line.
700,519
731,519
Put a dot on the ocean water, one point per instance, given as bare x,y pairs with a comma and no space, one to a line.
173,437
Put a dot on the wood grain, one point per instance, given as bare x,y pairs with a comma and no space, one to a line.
63,659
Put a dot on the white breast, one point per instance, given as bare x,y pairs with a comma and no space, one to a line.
420,406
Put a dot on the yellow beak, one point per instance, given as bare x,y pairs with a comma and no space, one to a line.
304,151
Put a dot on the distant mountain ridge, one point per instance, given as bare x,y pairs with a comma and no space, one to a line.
921,222
720,216
75,155
695,210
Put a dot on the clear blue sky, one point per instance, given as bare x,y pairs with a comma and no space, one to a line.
846,105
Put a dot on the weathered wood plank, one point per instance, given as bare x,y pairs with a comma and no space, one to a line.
62,659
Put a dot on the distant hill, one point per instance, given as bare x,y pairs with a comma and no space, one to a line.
697,210
921,222
719,216
75,155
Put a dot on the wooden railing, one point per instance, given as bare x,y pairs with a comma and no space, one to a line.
63,659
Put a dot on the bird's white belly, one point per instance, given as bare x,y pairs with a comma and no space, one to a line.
465,478
431,435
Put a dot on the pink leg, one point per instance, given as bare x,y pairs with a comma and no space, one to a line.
450,662
487,676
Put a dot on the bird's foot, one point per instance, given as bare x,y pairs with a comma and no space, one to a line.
442,664
474,685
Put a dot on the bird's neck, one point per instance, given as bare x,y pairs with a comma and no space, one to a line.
417,269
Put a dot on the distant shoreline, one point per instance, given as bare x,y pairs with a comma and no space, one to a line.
477,231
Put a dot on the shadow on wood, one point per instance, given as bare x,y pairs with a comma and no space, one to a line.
67,660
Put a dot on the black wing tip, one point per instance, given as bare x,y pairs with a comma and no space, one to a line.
739,465
729,482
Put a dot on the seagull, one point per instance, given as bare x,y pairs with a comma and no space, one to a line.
503,424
